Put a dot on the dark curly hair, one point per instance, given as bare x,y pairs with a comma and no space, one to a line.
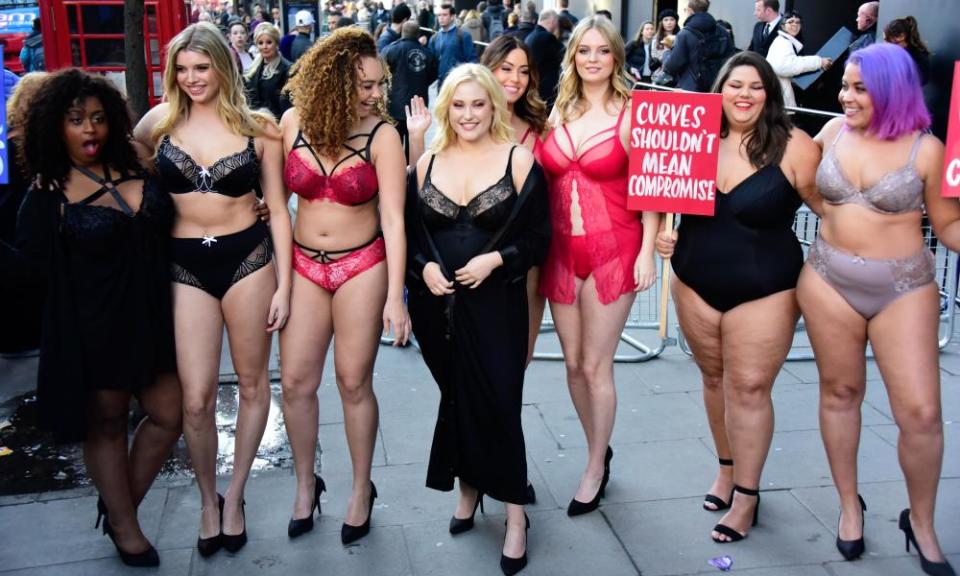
324,88
44,153
529,108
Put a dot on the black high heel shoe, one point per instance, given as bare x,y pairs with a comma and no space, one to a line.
853,549
209,546
234,542
461,525
298,526
146,559
928,567
729,532
717,503
578,508
511,566
350,534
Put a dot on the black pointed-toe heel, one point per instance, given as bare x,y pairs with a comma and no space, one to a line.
531,494
576,507
729,532
932,568
461,525
299,526
146,559
209,546
715,501
234,542
853,549
349,533
510,566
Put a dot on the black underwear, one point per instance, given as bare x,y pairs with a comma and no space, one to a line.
214,264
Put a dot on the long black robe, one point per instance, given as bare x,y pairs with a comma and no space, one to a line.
475,343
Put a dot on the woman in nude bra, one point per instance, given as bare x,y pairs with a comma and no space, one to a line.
869,277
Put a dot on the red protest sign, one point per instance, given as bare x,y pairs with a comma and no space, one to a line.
673,152
951,161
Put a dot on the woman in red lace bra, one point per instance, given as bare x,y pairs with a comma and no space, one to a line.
346,165
601,253
870,278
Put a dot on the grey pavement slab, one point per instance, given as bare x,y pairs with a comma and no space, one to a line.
172,563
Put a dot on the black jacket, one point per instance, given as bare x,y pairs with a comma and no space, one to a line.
636,56
301,43
547,53
757,42
684,61
523,30
414,69
265,93
493,11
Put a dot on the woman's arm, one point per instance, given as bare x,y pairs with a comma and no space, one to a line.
944,213
390,164
802,158
271,182
143,132
418,122
26,264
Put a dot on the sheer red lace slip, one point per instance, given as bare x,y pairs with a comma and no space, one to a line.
354,185
612,233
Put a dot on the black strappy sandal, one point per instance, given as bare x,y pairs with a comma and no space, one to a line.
715,500
729,532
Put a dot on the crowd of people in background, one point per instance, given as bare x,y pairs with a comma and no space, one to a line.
393,234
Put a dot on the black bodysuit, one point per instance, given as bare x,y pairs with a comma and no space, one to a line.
748,249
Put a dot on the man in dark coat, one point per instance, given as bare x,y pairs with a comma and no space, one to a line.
547,53
414,69
528,21
866,25
765,30
686,59
400,14
303,22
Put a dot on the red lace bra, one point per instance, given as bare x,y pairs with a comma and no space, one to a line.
352,186
612,233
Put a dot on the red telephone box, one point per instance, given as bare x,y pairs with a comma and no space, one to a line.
89,34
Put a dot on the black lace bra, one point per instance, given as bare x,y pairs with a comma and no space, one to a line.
489,209
234,175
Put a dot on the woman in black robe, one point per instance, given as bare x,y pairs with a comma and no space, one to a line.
92,231
470,250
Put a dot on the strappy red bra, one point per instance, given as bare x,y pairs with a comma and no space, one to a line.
352,186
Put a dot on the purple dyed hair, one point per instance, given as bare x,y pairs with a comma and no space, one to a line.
892,79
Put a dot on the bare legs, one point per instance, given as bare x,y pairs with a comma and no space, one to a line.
535,307
744,350
123,479
589,332
904,339
354,313
199,320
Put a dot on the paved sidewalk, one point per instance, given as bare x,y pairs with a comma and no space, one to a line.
651,521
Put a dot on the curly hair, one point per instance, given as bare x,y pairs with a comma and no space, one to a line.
571,102
19,103
44,153
205,38
324,89
529,108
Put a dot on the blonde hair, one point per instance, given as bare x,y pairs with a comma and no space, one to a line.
262,29
669,41
18,106
570,102
205,38
500,129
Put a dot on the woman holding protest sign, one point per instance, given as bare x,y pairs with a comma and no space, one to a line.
735,275
601,254
870,277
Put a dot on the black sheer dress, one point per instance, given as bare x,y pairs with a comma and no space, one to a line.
108,320
475,340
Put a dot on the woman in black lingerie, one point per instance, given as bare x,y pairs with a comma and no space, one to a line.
735,279
92,232
471,243
211,154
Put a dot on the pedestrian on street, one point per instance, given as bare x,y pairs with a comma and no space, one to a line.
785,57
546,55
303,27
867,15
413,68
450,45
768,23
268,74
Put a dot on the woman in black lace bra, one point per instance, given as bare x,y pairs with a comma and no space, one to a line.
871,278
211,154
471,243
93,230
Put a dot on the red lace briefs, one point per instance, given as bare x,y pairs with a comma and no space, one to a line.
333,274
612,233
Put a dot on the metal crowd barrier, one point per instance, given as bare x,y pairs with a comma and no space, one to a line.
806,224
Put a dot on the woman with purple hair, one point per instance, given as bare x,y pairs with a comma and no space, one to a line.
869,277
